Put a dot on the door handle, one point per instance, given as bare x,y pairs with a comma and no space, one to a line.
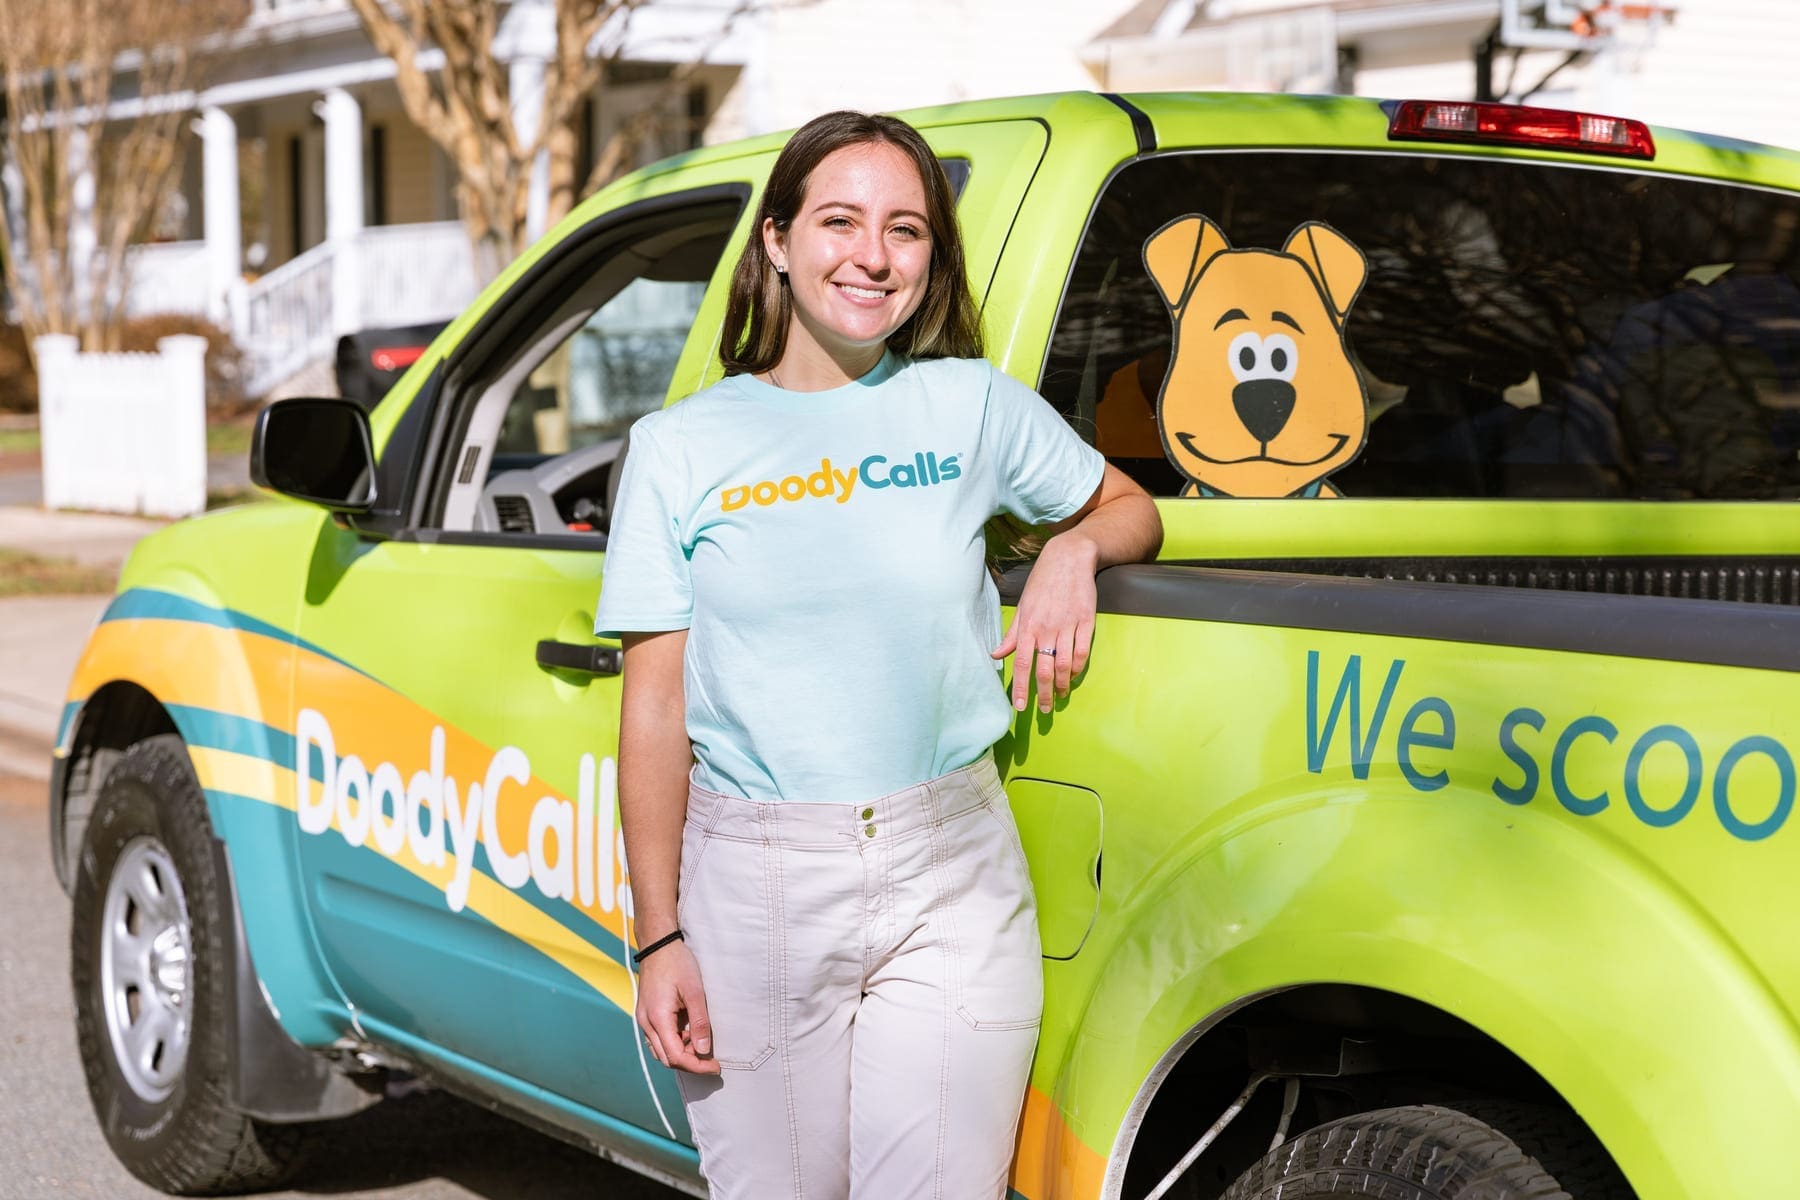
585,659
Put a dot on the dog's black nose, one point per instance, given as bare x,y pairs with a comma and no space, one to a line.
1264,406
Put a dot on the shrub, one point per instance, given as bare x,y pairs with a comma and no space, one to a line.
225,364
18,380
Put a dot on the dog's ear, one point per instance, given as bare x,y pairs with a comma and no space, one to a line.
1176,254
1337,265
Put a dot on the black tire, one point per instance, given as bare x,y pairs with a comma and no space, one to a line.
164,1110
1560,1142
1425,1152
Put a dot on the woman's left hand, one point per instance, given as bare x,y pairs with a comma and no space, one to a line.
1054,624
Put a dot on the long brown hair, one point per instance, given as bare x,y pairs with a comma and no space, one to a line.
945,325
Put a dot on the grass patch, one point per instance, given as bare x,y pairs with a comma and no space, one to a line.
24,574
230,439
20,441
225,497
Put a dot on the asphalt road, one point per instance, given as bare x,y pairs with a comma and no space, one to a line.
20,480
421,1147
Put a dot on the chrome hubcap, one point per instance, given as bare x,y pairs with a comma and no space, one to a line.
146,969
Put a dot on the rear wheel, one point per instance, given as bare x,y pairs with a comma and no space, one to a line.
1429,1152
150,964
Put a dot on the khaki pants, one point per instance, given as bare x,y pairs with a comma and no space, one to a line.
873,977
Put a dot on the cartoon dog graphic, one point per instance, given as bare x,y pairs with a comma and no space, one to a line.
1261,398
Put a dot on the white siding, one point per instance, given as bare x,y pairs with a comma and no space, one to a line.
1729,67
414,181
880,56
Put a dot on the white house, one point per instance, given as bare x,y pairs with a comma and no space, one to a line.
1724,67
313,206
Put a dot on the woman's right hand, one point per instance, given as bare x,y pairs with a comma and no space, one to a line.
671,1010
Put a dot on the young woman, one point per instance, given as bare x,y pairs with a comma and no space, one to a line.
839,944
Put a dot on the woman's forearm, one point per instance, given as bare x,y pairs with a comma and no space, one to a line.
1119,525
1124,529
654,758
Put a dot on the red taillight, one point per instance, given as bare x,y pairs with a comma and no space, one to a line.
392,358
1516,125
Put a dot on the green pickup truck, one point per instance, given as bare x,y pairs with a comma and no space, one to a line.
1431,842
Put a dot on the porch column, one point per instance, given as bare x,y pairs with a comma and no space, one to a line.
525,76
344,205
224,236
84,238
12,185
526,42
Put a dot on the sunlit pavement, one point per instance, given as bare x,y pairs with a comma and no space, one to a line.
421,1147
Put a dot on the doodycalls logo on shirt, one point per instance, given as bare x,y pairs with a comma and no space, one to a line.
925,469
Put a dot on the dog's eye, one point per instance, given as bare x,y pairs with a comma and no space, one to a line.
1281,356
1254,357
1244,355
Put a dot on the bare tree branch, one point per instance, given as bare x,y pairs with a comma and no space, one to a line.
467,107
88,185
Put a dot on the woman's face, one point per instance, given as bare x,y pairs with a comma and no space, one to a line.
858,253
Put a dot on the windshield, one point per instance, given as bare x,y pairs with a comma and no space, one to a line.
1525,329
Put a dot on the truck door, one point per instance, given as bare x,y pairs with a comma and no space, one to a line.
459,721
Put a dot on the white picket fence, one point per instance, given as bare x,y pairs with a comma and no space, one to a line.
123,432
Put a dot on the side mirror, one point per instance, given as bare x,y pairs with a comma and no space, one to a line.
317,450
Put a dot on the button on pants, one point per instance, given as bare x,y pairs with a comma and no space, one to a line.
873,977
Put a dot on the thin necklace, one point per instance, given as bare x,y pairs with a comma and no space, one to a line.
774,378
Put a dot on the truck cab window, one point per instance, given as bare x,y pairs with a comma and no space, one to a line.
542,422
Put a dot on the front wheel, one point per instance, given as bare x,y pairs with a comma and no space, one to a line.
1428,1152
150,965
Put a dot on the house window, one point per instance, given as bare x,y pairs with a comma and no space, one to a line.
696,115
296,156
375,177
1349,58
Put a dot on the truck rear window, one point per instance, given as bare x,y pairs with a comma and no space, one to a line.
1526,329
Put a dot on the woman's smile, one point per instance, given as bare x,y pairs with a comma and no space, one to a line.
865,295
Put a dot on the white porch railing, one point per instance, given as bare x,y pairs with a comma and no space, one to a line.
290,318
124,432
167,277
404,275
287,318
415,273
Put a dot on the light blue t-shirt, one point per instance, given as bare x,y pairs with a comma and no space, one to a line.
824,551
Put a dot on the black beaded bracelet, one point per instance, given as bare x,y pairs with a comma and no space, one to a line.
658,944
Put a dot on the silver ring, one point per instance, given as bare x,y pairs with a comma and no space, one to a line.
1047,650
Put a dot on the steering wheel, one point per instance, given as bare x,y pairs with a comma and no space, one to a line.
525,501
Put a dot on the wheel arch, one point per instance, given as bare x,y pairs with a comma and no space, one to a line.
168,657
1592,986
1387,1050
96,732
274,1077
